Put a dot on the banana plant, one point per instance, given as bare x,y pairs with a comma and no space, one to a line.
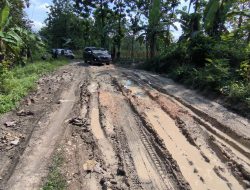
215,15
10,41
4,19
4,16
16,39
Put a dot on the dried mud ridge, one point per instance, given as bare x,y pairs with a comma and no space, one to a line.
118,129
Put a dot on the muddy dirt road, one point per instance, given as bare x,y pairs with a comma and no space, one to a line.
122,129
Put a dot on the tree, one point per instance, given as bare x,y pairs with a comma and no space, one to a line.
119,9
191,22
239,19
154,25
215,16
100,9
64,28
135,28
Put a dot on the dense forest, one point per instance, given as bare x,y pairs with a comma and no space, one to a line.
212,53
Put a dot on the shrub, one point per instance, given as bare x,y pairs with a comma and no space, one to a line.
199,49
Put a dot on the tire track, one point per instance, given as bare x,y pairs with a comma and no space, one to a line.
217,123
169,132
196,125
140,145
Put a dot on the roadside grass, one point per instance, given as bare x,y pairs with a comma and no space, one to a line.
55,179
17,82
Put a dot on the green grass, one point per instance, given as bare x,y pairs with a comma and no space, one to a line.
55,180
19,81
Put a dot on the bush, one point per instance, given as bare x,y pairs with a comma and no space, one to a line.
174,56
239,91
218,65
199,48
181,73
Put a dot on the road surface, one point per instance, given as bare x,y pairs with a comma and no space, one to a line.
130,128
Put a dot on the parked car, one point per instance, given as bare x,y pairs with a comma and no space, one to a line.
97,56
68,53
59,51
63,52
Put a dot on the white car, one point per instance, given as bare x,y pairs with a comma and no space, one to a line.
68,53
64,52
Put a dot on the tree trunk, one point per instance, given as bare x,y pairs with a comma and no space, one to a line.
241,19
152,46
118,55
119,34
29,54
219,24
190,2
196,6
146,43
132,47
113,53
102,25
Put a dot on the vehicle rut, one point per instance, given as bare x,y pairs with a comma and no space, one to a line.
119,129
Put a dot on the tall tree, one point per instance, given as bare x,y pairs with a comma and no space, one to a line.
239,19
154,25
64,28
135,29
100,9
119,10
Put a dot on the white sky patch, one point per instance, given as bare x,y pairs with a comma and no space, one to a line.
176,33
38,12
37,25
43,7
35,2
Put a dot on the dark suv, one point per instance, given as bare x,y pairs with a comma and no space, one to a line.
97,56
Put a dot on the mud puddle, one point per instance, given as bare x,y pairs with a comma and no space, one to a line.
200,173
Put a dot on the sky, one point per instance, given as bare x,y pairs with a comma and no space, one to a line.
38,12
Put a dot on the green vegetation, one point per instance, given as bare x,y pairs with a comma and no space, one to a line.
17,42
17,82
213,52
19,47
55,180
212,66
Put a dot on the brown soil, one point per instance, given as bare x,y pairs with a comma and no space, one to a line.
122,129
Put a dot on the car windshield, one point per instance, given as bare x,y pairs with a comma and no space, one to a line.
98,51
